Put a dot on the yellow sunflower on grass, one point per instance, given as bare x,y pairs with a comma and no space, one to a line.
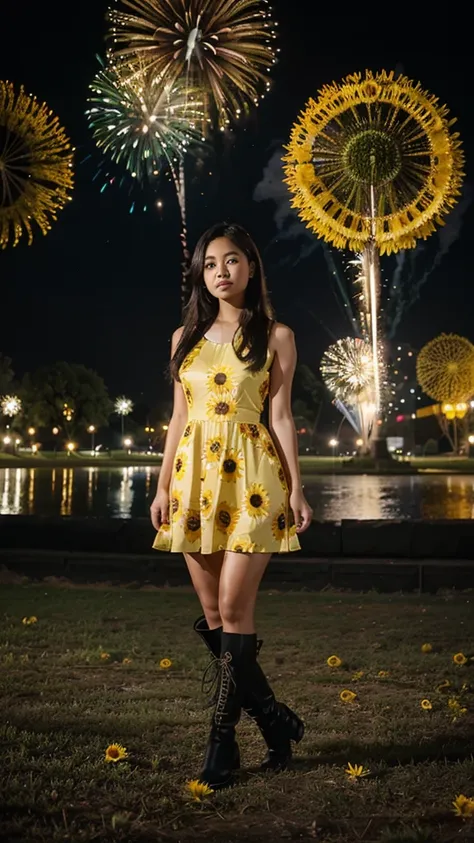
221,379
279,524
426,705
257,501
198,790
334,661
460,658
192,525
226,518
180,465
165,664
232,465
356,771
176,504
214,448
115,752
206,503
463,806
347,696
221,407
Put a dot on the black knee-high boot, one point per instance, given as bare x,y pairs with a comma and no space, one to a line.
278,724
231,673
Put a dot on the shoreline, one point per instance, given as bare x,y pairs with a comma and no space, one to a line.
308,465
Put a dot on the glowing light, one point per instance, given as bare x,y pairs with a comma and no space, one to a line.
6,440
31,431
123,406
35,166
10,404
70,446
471,440
127,442
91,429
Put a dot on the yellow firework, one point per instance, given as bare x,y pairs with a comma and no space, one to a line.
374,158
445,368
35,166
223,47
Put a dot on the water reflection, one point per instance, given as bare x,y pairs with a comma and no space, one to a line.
126,493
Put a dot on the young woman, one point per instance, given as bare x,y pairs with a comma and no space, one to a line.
229,493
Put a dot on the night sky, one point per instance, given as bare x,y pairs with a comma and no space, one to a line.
102,288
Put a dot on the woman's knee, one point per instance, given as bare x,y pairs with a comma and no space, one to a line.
232,611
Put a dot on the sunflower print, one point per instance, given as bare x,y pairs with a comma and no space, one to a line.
176,505
232,465
206,503
187,433
214,448
221,407
282,478
243,544
180,465
221,379
264,389
226,518
192,525
269,448
250,431
279,524
190,358
187,391
257,501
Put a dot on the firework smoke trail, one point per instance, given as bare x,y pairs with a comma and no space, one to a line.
407,281
289,227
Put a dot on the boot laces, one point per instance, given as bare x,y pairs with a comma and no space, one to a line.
217,680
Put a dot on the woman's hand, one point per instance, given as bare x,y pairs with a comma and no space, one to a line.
302,511
160,508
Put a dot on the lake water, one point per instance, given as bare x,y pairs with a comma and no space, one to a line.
127,492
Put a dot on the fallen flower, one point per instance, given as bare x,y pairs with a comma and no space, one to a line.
463,806
356,771
334,661
426,705
347,696
165,664
199,790
115,752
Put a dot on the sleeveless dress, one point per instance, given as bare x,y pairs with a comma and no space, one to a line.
228,489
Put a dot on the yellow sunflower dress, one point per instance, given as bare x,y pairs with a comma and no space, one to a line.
228,488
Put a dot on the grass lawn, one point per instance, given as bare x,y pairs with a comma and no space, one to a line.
63,703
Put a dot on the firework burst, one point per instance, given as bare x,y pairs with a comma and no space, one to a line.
223,47
374,160
347,369
141,121
445,368
35,166
10,405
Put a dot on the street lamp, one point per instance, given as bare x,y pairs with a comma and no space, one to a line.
149,430
91,430
70,448
333,444
128,443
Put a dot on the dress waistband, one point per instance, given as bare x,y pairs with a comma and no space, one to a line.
242,417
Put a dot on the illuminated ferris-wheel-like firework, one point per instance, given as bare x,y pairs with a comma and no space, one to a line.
445,368
223,47
35,166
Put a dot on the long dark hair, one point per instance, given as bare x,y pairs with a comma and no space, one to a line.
201,311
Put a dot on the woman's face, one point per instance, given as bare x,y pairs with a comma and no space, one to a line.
226,270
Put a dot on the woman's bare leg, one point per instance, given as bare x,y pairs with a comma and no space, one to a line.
204,570
240,577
